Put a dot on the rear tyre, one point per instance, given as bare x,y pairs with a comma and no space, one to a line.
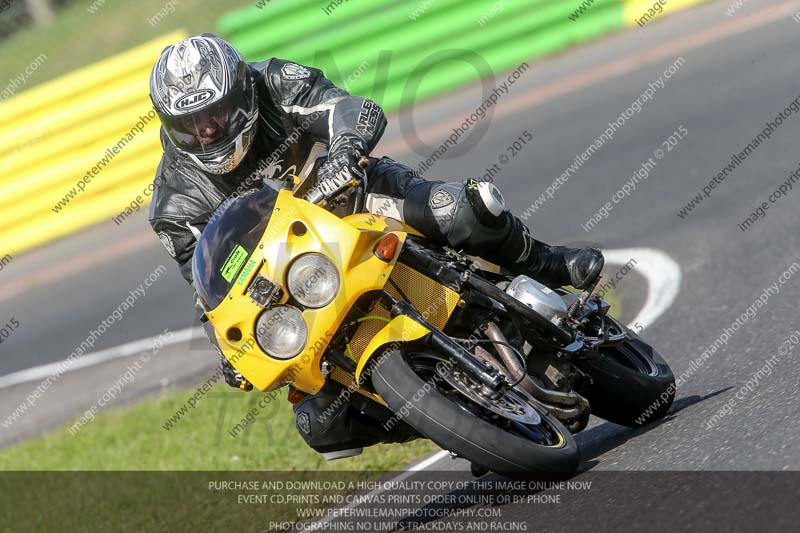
546,450
632,385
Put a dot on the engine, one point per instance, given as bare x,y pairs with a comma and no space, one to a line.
538,297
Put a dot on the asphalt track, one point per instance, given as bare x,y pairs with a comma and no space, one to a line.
739,72
723,95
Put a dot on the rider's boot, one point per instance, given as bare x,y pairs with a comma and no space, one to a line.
559,265
555,266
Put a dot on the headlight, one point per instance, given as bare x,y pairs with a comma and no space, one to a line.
282,332
313,280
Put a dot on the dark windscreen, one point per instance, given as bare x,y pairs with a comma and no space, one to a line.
227,241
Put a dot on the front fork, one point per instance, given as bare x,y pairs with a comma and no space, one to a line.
475,367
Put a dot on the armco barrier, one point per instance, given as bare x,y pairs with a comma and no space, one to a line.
405,51
54,134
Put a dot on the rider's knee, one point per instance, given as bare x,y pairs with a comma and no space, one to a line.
328,423
469,215
336,420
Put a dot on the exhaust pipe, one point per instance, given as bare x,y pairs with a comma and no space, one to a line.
515,371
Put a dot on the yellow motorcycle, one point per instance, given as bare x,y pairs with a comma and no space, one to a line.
497,369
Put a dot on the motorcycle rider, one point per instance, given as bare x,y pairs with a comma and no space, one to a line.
229,126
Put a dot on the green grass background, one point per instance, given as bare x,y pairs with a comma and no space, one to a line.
77,38
132,438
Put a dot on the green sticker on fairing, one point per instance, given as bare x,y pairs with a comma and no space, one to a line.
246,272
233,263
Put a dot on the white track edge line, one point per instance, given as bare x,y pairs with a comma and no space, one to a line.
96,358
663,277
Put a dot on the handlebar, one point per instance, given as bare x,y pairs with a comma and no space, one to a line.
316,196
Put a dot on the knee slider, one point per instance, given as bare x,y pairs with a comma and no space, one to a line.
487,201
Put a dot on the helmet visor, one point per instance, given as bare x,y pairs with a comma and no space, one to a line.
214,126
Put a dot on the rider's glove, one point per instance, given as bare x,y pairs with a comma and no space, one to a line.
233,377
340,168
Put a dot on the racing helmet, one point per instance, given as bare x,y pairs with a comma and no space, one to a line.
203,93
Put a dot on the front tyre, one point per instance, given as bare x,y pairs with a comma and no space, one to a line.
545,450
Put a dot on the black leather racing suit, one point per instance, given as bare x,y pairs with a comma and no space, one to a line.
301,114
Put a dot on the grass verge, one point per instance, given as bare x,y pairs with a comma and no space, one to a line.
77,37
125,472
133,438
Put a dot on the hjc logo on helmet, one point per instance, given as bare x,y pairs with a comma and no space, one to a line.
194,99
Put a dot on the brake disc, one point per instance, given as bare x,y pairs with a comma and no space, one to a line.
512,404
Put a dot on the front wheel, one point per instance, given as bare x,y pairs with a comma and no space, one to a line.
409,385
631,385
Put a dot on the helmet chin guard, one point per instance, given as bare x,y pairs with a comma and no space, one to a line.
227,159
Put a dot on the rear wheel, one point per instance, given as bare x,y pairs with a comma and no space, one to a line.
539,447
632,385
